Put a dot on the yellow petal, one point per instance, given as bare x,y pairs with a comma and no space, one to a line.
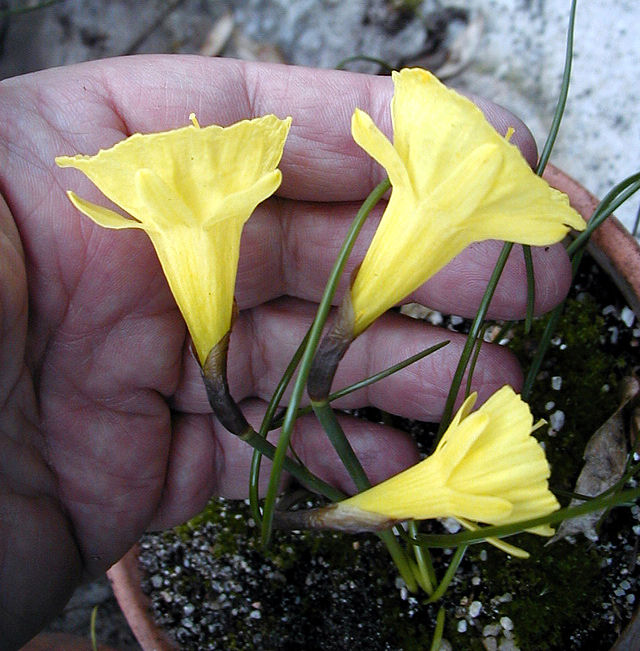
202,165
376,144
161,203
241,204
487,468
496,542
458,440
100,215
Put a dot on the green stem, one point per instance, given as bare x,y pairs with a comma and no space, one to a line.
449,574
307,357
423,560
341,393
474,358
336,435
302,474
562,97
504,530
541,351
620,193
340,442
474,332
531,289
266,425
399,556
436,643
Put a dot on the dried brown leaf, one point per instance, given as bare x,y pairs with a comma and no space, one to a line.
605,459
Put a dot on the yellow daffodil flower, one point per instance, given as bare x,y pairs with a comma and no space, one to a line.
455,181
191,190
487,468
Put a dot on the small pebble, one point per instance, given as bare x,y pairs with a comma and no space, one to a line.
508,645
627,316
462,626
550,405
435,318
506,623
556,419
556,383
474,609
490,644
451,525
491,629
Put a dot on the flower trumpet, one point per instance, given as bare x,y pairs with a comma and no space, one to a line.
487,468
191,190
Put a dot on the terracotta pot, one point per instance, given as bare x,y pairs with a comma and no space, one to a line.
126,581
613,248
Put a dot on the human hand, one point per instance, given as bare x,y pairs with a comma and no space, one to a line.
105,426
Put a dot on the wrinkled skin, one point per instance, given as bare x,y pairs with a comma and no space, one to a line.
105,429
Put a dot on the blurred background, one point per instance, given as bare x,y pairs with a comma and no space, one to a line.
510,51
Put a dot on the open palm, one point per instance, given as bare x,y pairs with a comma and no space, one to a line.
104,424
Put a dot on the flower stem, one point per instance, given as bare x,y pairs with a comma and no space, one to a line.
214,374
266,425
423,560
436,643
376,377
309,352
449,574
336,435
400,558
474,332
